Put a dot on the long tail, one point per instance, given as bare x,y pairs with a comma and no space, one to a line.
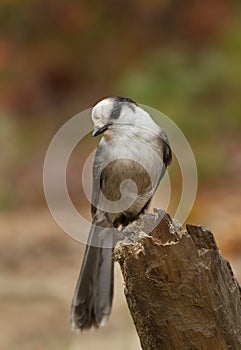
92,301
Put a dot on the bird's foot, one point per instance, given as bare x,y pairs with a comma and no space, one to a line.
119,235
129,235
123,234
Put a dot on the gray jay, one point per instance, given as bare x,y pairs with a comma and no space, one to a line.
129,163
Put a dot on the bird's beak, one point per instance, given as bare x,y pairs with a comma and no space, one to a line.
97,130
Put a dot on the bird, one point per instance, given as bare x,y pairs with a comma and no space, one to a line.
130,160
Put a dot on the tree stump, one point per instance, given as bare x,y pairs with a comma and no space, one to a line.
181,292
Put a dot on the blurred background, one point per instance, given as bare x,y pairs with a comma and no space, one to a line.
60,57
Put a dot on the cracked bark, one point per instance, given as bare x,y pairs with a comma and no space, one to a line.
181,292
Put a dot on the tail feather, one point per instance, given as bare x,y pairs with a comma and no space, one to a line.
92,301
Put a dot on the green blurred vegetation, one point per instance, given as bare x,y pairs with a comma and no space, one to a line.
200,91
60,57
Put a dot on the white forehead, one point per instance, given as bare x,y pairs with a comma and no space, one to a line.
103,108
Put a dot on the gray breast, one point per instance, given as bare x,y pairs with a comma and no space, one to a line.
121,170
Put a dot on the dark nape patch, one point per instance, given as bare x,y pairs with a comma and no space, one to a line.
116,111
124,99
118,103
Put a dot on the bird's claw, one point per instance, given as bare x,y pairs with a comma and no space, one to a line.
129,235
119,235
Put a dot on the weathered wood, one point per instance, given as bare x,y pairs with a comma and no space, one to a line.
181,292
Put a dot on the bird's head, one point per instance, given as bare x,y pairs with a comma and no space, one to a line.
111,113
